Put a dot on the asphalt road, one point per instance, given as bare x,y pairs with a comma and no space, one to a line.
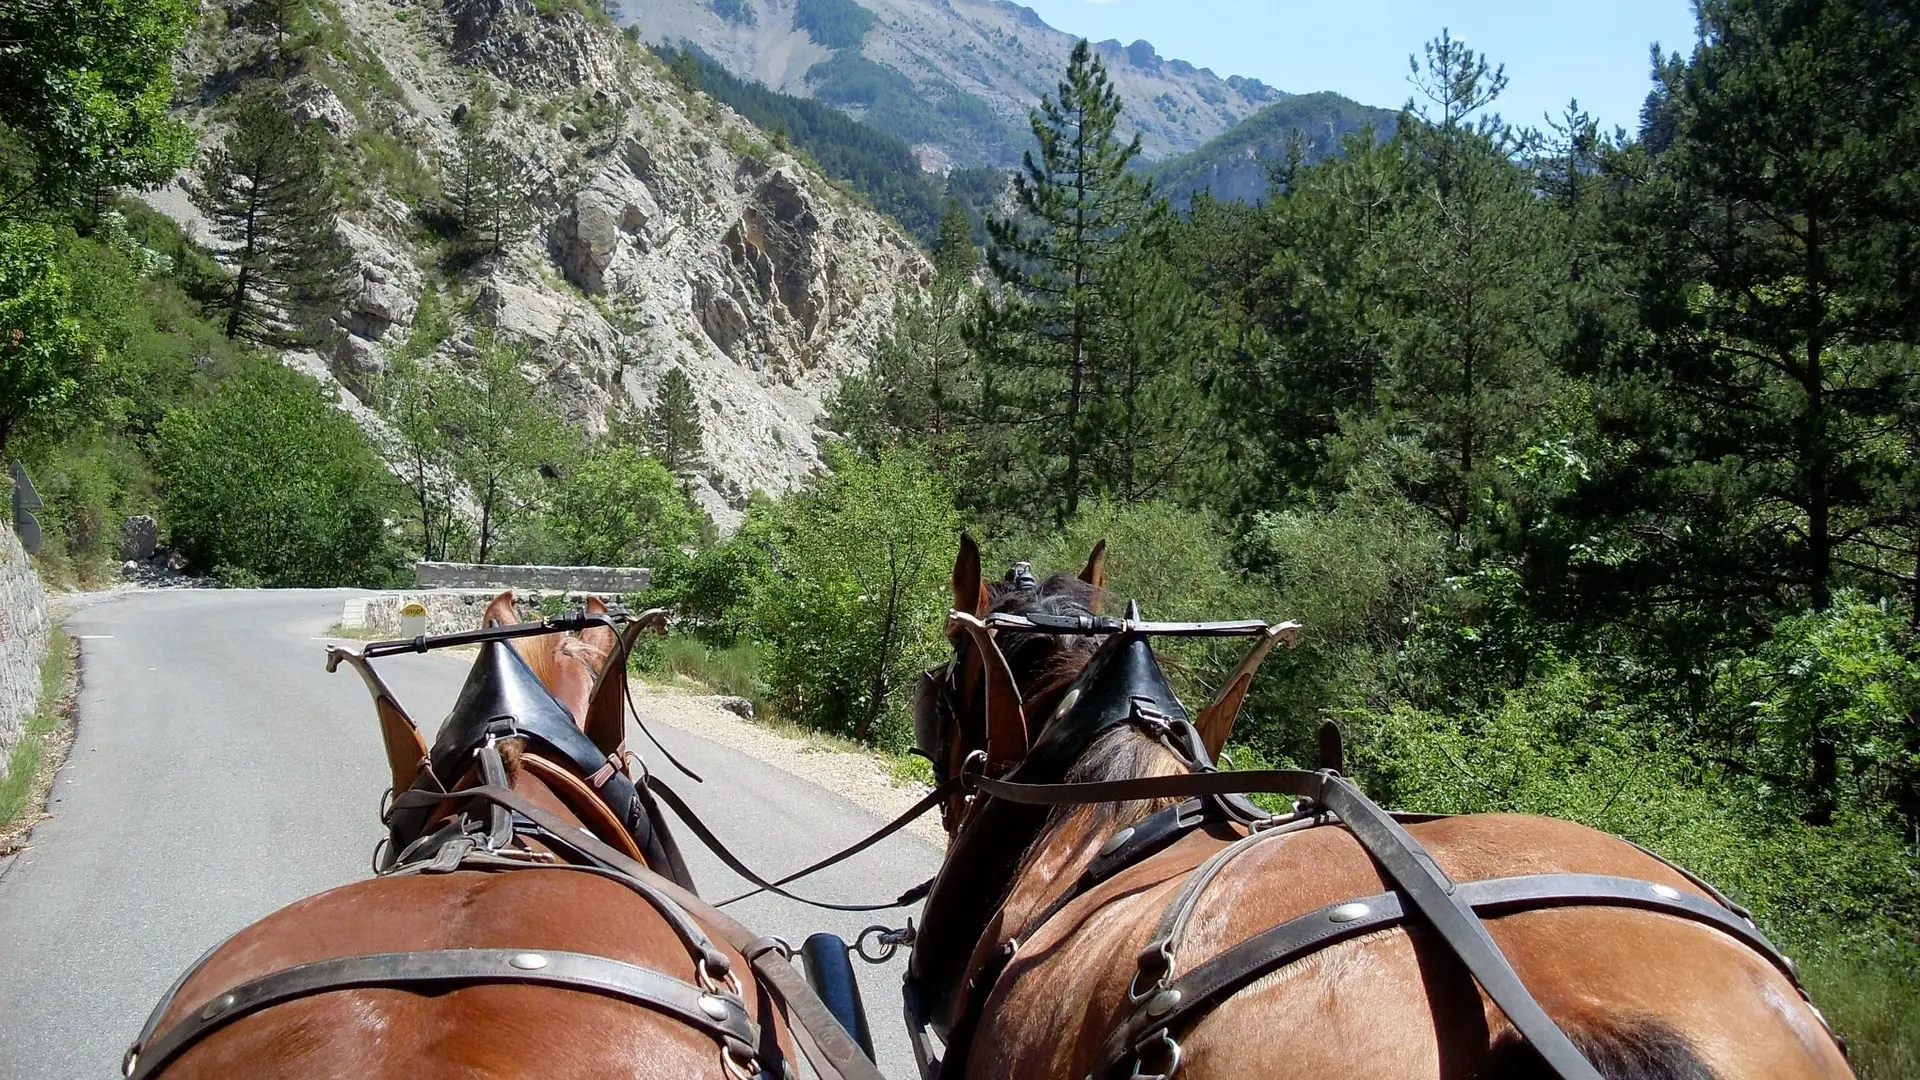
219,773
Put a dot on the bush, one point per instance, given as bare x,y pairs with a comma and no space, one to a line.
859,596
268,482
1570,745
1840,685
620,507
1177,563
712,593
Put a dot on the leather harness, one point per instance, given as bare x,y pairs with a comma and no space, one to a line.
504,699
1161,1005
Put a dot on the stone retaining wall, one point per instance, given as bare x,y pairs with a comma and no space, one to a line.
23,641
598,580
448,610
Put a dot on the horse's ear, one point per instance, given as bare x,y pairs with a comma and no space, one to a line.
606,719
599,636
1095,572
500,611
969,588
1216,720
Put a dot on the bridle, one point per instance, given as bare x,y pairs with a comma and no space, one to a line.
1145,1044
494,829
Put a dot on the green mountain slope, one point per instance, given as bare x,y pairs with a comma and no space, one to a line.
1233,166
872,161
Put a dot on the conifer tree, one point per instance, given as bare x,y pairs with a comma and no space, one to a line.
954,256
270,196
1468,378
1773,264
672,428
1040,348
493,189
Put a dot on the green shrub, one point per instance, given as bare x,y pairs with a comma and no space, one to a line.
858,599
1871,995
1570,745
1844,681
711,593
268,482
619,507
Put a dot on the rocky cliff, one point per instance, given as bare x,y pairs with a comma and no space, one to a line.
666,232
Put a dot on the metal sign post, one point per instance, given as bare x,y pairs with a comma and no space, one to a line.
25,502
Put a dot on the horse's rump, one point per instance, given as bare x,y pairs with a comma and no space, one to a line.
475,1028
1647,996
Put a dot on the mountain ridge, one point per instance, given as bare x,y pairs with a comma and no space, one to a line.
955,78
1234,165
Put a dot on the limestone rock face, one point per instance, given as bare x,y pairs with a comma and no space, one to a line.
666,232
139,535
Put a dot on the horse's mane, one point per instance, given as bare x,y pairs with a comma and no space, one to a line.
1043,665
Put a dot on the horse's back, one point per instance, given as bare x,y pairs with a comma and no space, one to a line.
469,1031
1648,996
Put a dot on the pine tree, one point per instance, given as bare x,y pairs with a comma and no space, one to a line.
1774,261
954,256
672,427
1468,378
924,368
493,190
685,69
1056,257
270,197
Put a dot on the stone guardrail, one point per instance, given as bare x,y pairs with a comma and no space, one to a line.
596,580
23,642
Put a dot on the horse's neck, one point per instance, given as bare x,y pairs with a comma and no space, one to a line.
1070,841
526,784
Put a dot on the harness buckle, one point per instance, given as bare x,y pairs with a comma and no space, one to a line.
1166,1044
1156,960
708,983
740,1060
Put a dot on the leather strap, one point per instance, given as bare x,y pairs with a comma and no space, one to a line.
706,836
1296,782
833,1052
719,1015
557,830
1156,960
1416,874
1207,984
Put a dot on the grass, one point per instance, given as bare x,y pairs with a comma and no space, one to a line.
1872,997
734,671
42,729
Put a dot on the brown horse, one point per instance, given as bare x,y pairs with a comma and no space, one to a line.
526,947
1035,955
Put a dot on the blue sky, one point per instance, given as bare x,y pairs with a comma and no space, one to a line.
1553,49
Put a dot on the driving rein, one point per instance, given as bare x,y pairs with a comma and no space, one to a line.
489,834
1144,1046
